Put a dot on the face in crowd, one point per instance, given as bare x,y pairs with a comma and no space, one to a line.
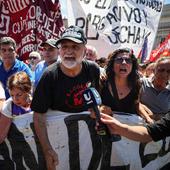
91,53
19,85
162,71
122,64
50,54
71,53
7,53
34,59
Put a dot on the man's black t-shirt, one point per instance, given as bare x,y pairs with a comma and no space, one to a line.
58,91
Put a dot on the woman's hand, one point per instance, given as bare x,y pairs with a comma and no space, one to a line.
146,113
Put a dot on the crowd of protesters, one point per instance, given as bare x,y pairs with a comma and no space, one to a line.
68,63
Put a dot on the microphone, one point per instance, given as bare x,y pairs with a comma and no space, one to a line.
92,99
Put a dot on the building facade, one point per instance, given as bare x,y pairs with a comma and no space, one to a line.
164,26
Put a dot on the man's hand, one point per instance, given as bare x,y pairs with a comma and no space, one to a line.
51,159
111,123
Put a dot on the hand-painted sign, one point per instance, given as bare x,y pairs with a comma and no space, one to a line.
74,138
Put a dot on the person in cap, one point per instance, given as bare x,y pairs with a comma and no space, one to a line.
10,64
33,59
49,54
62,85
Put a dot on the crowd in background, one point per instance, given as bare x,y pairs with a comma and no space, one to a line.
125,85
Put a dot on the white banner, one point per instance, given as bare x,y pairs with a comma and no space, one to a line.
75,140
121,23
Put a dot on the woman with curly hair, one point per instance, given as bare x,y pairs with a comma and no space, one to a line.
20,87
120,91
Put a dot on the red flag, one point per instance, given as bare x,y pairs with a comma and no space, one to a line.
30,22
162,50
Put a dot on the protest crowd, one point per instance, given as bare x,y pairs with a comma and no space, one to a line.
52,80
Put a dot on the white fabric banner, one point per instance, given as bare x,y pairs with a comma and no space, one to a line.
75,140
121,23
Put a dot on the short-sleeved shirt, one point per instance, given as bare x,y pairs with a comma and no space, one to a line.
39,70
160,129
58,91
18,66
10,110
157,101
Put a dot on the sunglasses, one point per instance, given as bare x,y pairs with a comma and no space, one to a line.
120,60
34,58
163,70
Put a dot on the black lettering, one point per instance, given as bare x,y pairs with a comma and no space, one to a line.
80,22
137,15
85,1
21,150
114,15
163,150
146,159
153,4
115,34
73,141
128,16
138,37
101,4
101,145
101,26
131,33
6,163
96,21
121,37
88,22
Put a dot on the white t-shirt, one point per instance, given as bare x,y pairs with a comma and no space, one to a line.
7,109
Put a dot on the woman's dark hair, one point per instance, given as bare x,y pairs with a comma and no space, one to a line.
133,77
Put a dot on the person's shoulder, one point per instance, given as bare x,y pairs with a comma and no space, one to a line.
20,64
42,62
91,65
53,66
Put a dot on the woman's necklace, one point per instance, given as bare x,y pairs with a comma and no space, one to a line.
123,91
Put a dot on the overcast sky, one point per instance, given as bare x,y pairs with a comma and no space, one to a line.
63,8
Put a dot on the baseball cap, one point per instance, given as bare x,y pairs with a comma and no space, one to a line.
73,33
51,42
